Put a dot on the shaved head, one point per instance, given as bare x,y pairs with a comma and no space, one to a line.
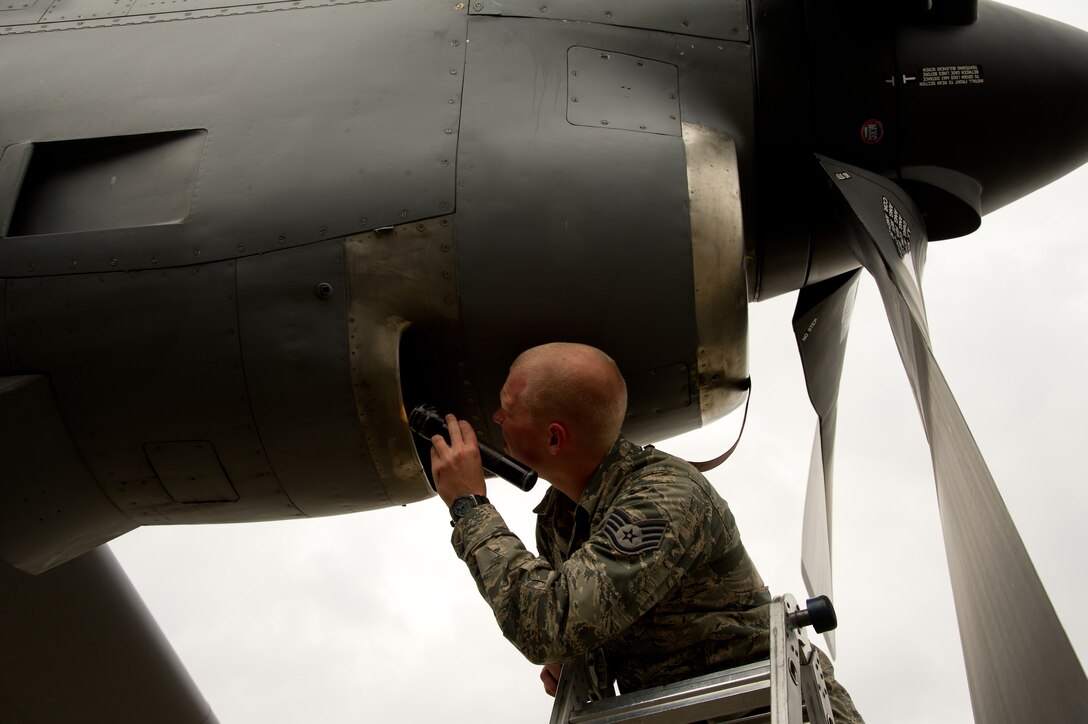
576,385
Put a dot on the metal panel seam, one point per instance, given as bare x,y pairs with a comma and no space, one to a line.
249,393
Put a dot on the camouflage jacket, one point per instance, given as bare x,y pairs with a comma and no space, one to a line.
648,567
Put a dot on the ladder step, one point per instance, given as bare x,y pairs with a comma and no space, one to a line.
734,691
788,688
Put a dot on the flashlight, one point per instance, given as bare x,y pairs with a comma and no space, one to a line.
426,422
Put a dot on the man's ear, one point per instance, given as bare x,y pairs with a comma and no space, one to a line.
557,438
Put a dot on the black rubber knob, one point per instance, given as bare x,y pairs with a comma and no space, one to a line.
821,614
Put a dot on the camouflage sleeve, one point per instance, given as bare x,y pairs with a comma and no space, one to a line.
655,531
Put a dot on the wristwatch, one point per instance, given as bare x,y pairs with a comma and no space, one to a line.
464,503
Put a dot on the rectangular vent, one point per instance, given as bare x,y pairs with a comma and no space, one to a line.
91,184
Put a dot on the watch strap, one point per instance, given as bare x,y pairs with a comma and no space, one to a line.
464,503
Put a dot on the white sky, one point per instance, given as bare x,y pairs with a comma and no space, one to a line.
372,618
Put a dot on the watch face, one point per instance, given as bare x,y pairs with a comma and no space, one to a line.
463,505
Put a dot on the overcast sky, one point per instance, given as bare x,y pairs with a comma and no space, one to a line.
372,618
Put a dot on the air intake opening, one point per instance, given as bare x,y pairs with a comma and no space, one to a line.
91,184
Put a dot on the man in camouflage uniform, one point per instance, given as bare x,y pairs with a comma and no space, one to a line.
641,567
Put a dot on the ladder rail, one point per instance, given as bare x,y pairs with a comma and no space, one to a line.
780,690
785,662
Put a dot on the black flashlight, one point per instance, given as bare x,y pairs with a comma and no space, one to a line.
426,422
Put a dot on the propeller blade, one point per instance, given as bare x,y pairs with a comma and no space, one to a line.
1020,664
821,322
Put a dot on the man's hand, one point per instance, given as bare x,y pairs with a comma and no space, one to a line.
456,467
550,676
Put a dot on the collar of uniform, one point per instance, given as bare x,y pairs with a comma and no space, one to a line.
602,484
569,523
591,496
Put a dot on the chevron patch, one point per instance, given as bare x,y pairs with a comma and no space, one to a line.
630,537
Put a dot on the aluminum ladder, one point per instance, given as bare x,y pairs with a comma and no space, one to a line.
774,689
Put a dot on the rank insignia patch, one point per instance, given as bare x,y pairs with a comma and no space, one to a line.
629,537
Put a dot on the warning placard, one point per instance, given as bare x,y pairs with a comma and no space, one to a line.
943,75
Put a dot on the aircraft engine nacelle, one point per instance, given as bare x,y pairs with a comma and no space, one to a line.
237,244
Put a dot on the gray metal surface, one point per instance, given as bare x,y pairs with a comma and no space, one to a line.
277,92
721,19
17,13
735,691
622,92
785,663
14,161
717,245
132,366
145,7
294,341
814,689
571,692
617,207
111,183
191,471
46,16
780,241
50,507
62,10
404,281
78,645
1020,663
